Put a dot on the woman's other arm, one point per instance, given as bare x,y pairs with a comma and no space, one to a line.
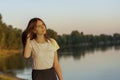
57,66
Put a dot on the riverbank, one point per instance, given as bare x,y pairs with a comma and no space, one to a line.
5,54
4,76
6,51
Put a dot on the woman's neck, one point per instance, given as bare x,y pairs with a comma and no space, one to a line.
40,38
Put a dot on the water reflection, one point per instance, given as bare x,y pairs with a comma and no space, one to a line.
117,47
17,61
97,64
11,62
17,65
78,52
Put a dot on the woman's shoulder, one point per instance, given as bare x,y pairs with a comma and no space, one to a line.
52,40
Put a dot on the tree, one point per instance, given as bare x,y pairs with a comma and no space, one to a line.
0,22
52,34
75,37
10,38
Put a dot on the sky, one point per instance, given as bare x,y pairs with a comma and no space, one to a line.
64,16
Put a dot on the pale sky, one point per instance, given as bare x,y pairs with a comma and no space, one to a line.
64,16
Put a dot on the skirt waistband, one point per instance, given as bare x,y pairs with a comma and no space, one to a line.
43,69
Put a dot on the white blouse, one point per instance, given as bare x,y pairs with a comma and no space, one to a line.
43,53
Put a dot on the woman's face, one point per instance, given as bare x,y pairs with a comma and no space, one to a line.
40,28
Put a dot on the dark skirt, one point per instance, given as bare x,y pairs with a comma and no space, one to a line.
47,74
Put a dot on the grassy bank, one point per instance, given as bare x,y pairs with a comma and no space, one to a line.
8,77
5,54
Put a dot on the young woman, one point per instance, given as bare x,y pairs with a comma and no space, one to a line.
43,50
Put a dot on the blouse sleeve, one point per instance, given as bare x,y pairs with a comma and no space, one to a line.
56,46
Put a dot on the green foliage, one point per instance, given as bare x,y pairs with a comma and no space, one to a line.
10,38
52,34
79,39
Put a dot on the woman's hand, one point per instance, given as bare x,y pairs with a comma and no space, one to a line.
29,35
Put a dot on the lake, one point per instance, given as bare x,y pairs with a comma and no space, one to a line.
90,64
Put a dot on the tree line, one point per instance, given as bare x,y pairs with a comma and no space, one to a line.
10,38
76,38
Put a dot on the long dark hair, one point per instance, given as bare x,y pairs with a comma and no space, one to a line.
30,27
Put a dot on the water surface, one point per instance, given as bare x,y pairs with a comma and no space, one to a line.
97,64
